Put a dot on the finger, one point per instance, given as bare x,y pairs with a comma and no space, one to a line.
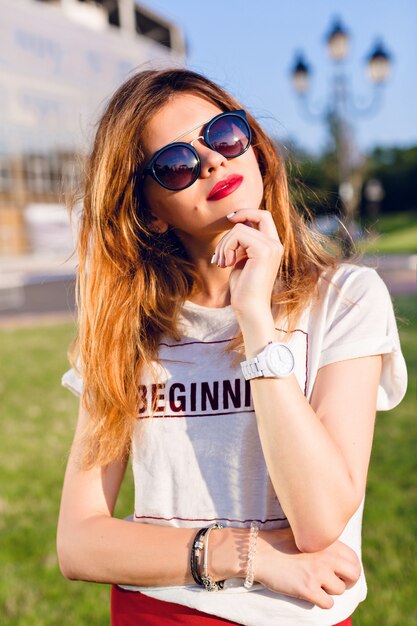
347,565
248,225
222,247
230,257
348,571
259,217
321,598
245,241
334,586
229,251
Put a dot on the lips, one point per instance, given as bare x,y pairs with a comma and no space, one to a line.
225,187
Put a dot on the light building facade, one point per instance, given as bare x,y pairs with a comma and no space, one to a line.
60,60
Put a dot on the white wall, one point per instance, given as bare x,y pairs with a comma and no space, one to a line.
56,73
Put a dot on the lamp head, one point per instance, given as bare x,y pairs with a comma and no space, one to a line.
337,41
300,74
379,64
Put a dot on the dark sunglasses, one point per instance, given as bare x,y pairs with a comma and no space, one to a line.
177,165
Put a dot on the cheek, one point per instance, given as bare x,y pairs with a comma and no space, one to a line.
259,190
177,209
257,183
158,200
150,193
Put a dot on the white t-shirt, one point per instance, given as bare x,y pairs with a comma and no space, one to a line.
199,459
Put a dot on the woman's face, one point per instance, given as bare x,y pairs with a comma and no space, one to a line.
189,212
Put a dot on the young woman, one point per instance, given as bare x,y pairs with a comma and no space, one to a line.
237,360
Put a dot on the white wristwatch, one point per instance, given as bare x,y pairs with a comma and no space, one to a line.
275,361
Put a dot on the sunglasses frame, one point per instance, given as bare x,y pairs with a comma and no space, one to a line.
150,167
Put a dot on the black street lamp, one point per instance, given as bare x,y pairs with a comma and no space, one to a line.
339,111
300,75
379,64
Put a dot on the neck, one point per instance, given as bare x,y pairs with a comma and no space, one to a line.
214,291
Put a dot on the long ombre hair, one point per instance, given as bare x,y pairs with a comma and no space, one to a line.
132,282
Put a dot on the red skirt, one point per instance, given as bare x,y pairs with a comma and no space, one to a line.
132,608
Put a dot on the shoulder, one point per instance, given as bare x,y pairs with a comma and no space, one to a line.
353,296
355,318
351,283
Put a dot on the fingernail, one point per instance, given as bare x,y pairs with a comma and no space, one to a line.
231,214
212,258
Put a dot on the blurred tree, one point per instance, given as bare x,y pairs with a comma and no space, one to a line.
396,169
314,179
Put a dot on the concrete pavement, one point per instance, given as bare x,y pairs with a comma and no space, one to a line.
35,286
399,271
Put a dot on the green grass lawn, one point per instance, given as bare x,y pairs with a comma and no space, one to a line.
390,519
38,419
392,234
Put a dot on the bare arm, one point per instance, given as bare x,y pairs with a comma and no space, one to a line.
317,454
94,546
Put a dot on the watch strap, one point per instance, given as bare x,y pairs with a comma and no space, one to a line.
257,367
251,369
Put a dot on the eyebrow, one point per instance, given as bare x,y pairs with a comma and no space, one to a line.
191,129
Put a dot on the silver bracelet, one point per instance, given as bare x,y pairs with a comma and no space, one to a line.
208,582
253,536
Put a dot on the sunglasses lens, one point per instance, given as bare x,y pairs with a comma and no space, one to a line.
176,167
229,135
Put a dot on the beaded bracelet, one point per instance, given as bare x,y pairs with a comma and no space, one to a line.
254,529
208,582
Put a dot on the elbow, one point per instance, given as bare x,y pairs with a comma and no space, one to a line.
66,569
67,572
316,535
310,540
65,564
76,551
313,544
66,561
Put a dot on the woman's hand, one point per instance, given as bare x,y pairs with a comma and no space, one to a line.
314,577
254,251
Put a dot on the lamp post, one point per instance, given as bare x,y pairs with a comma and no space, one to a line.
339,111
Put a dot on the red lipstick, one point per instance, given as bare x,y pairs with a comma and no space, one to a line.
225,187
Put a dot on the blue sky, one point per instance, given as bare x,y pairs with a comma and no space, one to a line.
249,47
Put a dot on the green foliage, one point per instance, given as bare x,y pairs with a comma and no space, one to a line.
38,420
314,179
396,168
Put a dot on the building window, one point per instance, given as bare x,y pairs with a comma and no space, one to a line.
148,27
6,174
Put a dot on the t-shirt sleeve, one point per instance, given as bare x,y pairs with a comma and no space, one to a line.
361,322
72,381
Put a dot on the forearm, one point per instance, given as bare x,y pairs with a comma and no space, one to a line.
109,550
307,469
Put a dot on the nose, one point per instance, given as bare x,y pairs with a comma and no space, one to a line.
210,159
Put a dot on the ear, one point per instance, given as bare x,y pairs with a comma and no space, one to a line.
157,225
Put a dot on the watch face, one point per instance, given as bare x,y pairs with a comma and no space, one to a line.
280,359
